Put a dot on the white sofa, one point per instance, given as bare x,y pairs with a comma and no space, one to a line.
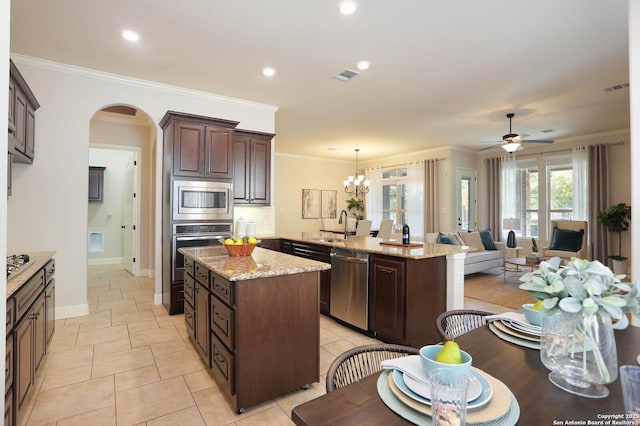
478,259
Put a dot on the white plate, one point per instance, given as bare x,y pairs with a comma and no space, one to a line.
486,391
513,339
638,359
523,328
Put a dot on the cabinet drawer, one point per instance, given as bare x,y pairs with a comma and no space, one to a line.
222,322
188,319
202,274
222,288
28,293
8,363
50,270
223,364
11,319
189,286
188,266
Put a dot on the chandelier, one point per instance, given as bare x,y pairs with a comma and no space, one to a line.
356,185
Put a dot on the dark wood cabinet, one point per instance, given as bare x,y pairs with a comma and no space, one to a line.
201,326
22,119
270,243
200,147
96,183
321,254
405,298
387,298
252,168
32,307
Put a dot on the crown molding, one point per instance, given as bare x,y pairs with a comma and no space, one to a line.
136,82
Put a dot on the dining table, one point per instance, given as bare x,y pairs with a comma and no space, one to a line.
519,368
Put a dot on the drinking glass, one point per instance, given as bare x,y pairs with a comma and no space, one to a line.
630,379
448,397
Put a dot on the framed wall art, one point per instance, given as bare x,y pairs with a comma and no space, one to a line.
311,203
329,207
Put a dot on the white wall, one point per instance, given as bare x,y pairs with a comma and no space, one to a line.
4,112
49,208
634,96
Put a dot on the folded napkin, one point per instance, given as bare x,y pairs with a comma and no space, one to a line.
409,365
517,318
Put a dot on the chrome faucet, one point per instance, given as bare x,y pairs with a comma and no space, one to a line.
346,223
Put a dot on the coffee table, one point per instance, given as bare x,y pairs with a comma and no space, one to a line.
518,265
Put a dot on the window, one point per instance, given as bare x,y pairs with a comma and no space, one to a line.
542,197
394,193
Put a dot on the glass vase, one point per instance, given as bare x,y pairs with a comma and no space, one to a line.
580,351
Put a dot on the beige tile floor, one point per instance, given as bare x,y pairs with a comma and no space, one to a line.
130,363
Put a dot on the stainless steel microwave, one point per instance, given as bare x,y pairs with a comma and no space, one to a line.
202,200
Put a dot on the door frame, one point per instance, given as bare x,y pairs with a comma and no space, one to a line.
464,172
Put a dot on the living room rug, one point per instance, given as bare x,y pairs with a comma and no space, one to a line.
489,286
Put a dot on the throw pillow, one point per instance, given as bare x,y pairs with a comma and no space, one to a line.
487,239
456,238
472,239
566,239
443,239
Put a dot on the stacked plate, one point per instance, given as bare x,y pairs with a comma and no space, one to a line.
405,389
514,327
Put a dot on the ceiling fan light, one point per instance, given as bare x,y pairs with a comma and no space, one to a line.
511,146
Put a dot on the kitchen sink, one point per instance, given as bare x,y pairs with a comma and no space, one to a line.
330,240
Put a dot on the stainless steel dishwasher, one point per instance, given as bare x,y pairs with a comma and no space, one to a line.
349,287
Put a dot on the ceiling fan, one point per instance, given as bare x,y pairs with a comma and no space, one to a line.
512,142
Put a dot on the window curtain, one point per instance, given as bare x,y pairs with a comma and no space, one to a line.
493,196
431,207
508,188
414,202
374,196
599,200
580,160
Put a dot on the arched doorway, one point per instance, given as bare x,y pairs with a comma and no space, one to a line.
122,139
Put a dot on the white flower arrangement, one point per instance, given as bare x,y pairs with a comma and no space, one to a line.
581,286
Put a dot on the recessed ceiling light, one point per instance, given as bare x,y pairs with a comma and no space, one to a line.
268,71
130,35
363,65
347,7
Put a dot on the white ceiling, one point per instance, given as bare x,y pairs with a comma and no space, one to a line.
443,72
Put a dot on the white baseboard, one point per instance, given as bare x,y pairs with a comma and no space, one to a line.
72,311
157,298
105,261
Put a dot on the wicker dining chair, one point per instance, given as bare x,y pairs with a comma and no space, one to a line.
362,361
451,324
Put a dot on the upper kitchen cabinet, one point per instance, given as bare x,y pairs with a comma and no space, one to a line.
252,168
197,146
22,117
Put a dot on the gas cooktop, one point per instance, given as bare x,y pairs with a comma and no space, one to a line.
17,263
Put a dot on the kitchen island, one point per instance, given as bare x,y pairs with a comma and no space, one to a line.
254,320
408,287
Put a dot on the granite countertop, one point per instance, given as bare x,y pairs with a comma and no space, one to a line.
38,260
372,245
262,263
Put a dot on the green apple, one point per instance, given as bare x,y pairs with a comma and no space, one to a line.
450,353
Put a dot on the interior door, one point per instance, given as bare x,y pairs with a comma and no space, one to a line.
129,215
466,199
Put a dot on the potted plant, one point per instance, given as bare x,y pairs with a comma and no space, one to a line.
356,207
616,219
533,256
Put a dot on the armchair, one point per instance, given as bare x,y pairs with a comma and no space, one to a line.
568,238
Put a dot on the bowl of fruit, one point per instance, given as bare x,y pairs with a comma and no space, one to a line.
448,356
240,246
532,312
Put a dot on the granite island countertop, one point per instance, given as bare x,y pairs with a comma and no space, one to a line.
38,260
262,263
372,245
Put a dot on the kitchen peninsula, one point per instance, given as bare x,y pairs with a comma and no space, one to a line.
408,287
254,320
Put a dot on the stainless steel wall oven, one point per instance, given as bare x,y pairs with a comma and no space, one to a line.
195,235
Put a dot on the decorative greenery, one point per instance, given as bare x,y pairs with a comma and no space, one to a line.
581,286
356,207
534,246
616,219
